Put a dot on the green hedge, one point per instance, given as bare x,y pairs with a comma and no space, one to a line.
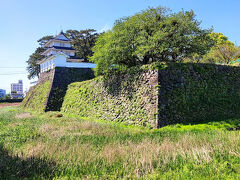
11,101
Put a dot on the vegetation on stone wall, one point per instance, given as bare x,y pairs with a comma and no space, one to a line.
129,97
187,93
37,96
62,78
197,93
51,88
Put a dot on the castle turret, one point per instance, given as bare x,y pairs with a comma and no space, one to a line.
60,53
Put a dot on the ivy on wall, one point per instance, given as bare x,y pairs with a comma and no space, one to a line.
183,93
153,95
36,98
196,93
49,93
122,97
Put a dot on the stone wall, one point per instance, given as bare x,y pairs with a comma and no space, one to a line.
50,90
37,96
196,93
159,94
61,79
154,95
129,97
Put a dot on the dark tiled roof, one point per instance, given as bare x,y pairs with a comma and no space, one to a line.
74,57
55,38
65,48
59,39
61,33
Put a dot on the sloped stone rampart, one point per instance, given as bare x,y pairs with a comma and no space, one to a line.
50,90
159,94
129,97
154,95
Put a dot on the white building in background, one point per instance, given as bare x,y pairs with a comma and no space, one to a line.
17,89
2,93
60,53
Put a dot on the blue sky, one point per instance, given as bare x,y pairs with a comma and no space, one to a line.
23,22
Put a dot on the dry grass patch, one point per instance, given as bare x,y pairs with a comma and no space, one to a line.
13,125
3,105
53,131
149,154
71,154
34,150
89,128
65,129
46,128
23,116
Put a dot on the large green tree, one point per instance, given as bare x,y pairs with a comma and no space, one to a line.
33,68
83,41
153,35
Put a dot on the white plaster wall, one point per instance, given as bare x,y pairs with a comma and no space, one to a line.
47,65
69,53
60,60
56,44
62,44
67,45
54,52
80,65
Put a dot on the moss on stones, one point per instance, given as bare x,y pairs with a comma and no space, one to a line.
181,93
197,93
37,96
129,97
152,95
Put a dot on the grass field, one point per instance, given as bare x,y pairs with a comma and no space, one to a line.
46,146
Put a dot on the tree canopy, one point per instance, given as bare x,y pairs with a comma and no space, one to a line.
33,67
83,41
224,51
155,34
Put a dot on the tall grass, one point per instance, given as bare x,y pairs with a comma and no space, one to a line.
46,147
